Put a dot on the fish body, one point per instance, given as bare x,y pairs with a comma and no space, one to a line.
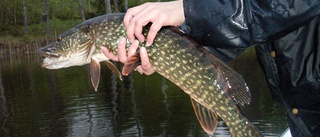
214,88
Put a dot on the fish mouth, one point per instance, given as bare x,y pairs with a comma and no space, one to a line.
45,52
47,63
50,62
54,60
50,59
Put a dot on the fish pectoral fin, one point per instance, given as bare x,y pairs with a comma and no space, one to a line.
114,69
95,72
207,118
235,85
131,63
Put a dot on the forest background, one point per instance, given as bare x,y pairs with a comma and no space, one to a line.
26,25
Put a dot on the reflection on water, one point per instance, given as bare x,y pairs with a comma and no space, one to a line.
3,108
40,102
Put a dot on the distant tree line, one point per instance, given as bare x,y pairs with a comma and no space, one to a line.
14,13
18,14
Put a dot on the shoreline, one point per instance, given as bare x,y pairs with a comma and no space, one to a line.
14,47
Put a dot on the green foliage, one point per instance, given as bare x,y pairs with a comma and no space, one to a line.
63,14
11,30
133,3
34,11
64,10
57,26
99,7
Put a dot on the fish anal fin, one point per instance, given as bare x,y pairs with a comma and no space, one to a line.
131,63
95,72
207,118
114,69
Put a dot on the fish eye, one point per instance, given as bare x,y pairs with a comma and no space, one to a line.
59,39
85,29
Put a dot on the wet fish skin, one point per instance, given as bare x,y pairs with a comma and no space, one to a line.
200,76
208,81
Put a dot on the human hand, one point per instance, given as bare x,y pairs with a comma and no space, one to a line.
145,66
159,13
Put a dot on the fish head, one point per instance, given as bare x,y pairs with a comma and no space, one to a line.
71,48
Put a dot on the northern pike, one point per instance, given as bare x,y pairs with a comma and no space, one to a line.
215,88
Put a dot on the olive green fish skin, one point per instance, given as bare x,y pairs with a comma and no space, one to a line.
185,66
177,58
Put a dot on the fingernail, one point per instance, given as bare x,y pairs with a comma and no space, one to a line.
148,44
131,41
136,42
142,52
103,48
138,71
121,40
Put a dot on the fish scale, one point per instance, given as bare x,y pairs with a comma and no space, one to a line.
214,88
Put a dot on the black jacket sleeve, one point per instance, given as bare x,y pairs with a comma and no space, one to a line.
242,23
289,28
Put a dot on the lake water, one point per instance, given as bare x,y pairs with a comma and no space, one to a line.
40,102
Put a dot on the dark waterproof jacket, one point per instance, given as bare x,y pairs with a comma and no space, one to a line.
288,28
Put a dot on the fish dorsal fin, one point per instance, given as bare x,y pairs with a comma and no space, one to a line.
114,69
95,72
235,85
207,118
132,62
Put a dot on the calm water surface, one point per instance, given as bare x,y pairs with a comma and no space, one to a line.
40,102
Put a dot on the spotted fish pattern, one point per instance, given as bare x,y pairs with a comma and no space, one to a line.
215,89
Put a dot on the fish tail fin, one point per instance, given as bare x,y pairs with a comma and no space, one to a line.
131,63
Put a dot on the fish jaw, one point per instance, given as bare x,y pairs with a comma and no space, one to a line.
61,62
55,60
68,61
